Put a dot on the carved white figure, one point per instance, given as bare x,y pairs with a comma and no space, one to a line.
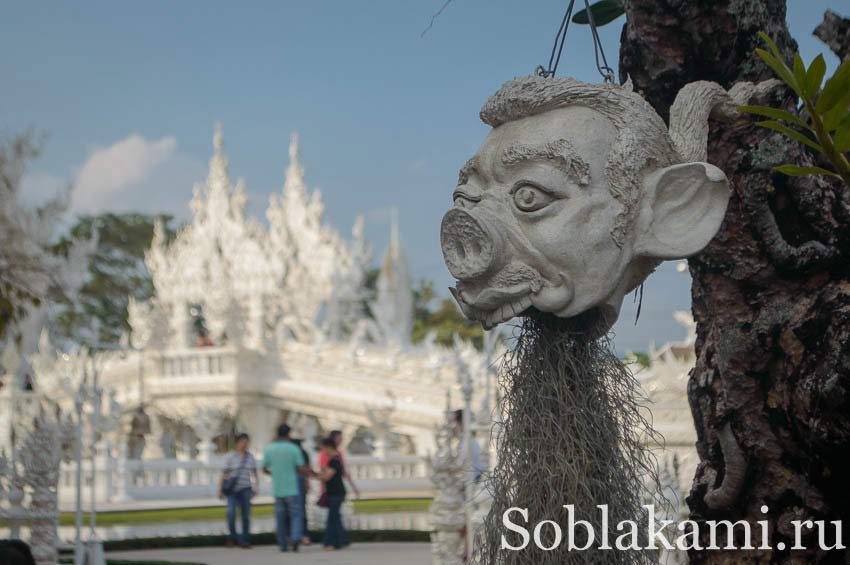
576,195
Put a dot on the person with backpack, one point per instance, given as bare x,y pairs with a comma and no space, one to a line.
239,483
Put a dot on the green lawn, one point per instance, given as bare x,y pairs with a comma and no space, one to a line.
381,505
139,517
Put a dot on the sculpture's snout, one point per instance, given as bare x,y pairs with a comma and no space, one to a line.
470,248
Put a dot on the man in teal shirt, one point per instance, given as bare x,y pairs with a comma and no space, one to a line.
283,461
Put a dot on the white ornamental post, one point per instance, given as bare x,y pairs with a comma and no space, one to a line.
41,454
122,472
94,548
447,475
79,401
485,419
464,378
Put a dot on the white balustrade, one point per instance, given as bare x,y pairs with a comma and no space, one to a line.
119,480
198,361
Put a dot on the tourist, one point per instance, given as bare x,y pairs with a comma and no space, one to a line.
284,462
239,483
336,436
332,477
304,490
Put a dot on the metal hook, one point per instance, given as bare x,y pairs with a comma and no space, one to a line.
557,49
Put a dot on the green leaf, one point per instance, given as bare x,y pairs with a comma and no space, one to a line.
797,171
834,89
775,113
814,76
604,12
781,128
834,117
842,136
799,70
781,70
770,45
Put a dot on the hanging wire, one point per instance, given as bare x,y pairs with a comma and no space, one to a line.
558,47
606,71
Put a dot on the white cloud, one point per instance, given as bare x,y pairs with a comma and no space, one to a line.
133,174
111,170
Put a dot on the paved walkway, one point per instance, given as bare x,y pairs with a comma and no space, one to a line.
408,553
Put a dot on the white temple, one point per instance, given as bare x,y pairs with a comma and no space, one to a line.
252,326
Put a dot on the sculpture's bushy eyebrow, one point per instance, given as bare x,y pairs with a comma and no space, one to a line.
560,150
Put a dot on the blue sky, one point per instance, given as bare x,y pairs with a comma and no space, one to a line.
128,95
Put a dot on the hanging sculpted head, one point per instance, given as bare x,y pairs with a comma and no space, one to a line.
573,199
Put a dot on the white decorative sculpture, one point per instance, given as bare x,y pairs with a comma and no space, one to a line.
206,421
380,422
447,512
32,479
576,195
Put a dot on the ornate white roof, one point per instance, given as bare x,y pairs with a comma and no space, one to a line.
297,279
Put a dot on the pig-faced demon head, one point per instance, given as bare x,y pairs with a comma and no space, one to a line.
573,199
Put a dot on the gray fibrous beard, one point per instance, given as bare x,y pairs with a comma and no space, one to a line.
574,431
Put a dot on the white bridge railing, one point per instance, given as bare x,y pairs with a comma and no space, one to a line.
121,481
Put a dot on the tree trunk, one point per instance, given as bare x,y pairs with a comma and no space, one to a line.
835,32
770,392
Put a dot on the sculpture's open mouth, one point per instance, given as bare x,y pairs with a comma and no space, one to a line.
506,295
493,306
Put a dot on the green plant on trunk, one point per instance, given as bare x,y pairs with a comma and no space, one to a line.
603,12
824,123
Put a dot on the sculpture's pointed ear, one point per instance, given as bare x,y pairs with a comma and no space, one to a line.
681,211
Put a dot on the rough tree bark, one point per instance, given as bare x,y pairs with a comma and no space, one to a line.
770,392
835,32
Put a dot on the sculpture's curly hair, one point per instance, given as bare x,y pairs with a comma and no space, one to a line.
575,431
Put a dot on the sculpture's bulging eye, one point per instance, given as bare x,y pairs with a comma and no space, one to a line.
529,198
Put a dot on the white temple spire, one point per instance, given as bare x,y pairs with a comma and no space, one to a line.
293,148
294,185
394,239
218,138
393,307
308,254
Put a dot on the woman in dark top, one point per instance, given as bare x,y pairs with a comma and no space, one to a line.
335,489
